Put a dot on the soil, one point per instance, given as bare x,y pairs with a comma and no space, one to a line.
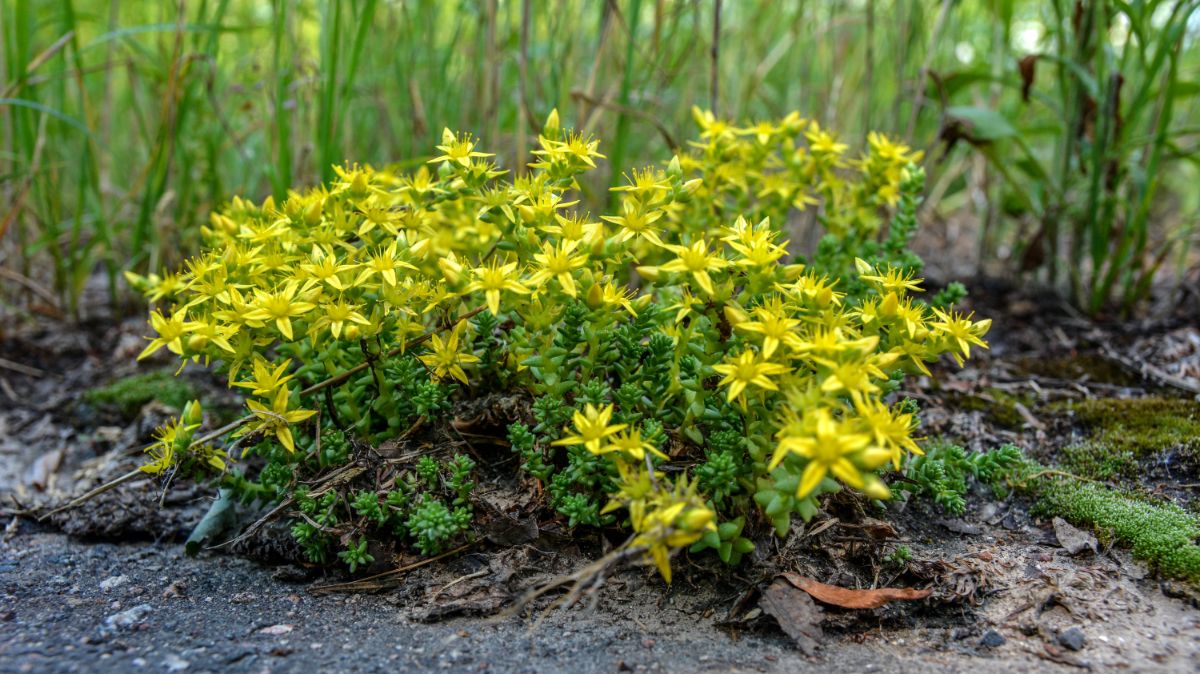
109,587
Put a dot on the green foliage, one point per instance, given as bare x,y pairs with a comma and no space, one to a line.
727,540
1159,533
433,525
898,557
673,336
944,471
1086,140
129,394
356,555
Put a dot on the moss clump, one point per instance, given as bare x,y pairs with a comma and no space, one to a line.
129,394
1079,367
1140,425
1161,534
1099,461
1000,406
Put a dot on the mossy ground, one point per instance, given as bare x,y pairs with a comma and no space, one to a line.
129,394
1162,534
1139,425
1124,438
1000,406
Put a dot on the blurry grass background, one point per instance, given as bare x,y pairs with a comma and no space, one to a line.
1062,136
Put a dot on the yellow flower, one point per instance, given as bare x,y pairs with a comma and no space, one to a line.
960,331
669,519
558,262
591,428
384,262
324,267
892,280
888,429
747,369
446,358
335,316
828,445
631,444
494,279
635,221
696,260
711,128
609,295
853,377
822,142
647,184
279,306
276,418
267,379
775,326
170,329
457,149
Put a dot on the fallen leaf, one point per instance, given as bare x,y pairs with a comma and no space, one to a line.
1072,539
855,599
795,612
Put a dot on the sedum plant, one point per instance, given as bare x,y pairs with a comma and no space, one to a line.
689,377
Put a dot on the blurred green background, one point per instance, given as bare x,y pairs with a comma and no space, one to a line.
1061,136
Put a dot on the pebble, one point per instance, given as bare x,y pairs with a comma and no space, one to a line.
176,590
174,663
1072,638
129,618
113,582
992,639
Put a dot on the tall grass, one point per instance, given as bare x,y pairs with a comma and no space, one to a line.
124,124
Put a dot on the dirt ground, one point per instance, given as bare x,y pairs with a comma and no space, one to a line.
118,594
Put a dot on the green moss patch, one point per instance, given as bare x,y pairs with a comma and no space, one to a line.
1161,534
1140,425
1097,461
1079,367
129,394
1000,406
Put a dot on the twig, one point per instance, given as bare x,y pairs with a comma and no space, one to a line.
581,580
357,584
1149,371
23,369
107,486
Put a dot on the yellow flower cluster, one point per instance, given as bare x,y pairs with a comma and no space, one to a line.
379,257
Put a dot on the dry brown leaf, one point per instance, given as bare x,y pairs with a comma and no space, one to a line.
795,612
855,599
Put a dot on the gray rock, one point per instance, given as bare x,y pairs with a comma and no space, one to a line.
1072,638
992,639
113,582
128,618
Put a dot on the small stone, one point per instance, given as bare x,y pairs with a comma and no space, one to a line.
276,630
174,663
992,639
242,598
8,616
1072,638
129,618
176,590
113,582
